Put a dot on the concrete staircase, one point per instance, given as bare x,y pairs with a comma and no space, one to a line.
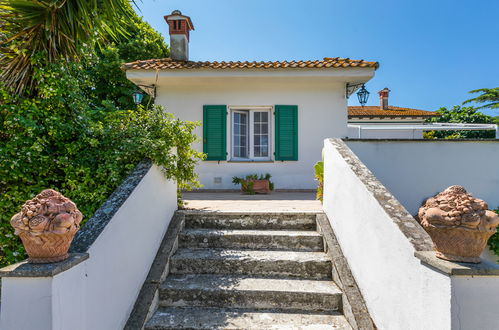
249,271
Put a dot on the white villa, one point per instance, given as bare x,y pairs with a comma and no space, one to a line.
359,259
257,117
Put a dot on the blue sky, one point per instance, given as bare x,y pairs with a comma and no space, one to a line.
431,52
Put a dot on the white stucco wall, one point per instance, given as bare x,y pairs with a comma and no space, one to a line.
399,292
318,93
474,302
45,303
321,113
416,170
121,256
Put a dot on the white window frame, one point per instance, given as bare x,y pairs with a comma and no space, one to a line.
250,110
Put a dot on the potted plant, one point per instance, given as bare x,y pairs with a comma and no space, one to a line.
253,184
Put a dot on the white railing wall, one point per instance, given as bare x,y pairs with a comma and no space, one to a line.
99,289
380,241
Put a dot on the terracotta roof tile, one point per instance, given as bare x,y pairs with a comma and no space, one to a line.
392,111
169,64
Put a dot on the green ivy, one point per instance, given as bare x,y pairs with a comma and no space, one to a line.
64,139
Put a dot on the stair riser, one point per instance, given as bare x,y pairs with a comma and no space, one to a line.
213,318
250,299
304,269
270,242
261,222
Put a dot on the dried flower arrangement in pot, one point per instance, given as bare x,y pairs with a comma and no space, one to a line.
46,226
458,224
254,184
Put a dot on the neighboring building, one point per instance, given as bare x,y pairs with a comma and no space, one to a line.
257,117
387,114
386,121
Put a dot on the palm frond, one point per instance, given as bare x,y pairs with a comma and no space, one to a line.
490,96
56,29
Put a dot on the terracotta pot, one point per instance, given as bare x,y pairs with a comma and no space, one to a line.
46,225
47,247
459,244
259,186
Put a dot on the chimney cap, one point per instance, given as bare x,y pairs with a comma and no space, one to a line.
177,15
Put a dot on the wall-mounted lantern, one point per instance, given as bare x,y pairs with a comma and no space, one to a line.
137,96
363,95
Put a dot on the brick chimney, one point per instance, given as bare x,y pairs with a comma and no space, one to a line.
179,27
383,98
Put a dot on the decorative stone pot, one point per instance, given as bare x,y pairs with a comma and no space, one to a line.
459,224
46,226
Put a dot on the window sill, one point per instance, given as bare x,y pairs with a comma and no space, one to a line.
249,161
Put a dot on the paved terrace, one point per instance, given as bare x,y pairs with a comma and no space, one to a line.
235,201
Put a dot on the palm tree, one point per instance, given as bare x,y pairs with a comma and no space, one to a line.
489,96
53,30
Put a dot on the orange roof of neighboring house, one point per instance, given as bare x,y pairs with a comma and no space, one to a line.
376,111
169,64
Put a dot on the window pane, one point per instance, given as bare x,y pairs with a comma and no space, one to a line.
265,129
257,140
264,140
257,117
265,117
257,152
240,134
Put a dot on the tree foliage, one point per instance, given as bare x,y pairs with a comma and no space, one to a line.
489,96
110,82
79,132
458,114
55,29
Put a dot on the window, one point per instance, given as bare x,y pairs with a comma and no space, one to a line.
250,134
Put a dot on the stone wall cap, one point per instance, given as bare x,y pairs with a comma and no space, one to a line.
25,269
485,268
214,212
406,223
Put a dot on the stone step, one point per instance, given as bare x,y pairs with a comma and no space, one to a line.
249,292
255,220
252,239
313,265
214,318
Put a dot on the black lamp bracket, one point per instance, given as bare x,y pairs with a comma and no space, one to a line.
149,89
351,88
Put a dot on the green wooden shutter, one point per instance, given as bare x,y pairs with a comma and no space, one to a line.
286,132
215,132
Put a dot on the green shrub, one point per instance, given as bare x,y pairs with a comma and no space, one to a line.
458,114
319,176
60,139
494,240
